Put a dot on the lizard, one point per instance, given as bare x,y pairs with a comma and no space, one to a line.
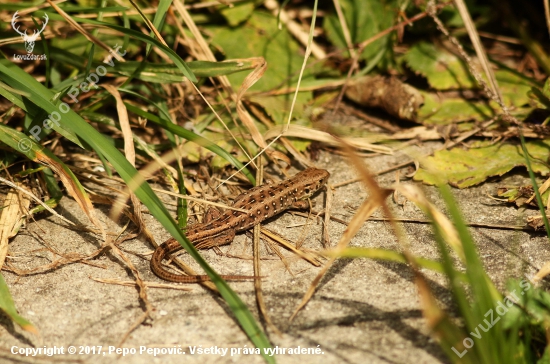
261,203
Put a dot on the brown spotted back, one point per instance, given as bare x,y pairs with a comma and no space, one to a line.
262,202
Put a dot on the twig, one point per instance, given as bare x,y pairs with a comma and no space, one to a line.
36,199
147,284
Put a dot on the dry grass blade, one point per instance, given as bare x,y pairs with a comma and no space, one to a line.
249,81
145,283
448,231
36,199
418,133
362,214
304,255
209,56
294,28
125,128
142,288
345,29
430,309
543,272
14,208
324,137
542,189
83,31
328,205
376,199
480,51
149,23
129,149
257,266
130,153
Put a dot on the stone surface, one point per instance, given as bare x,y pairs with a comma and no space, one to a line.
363,310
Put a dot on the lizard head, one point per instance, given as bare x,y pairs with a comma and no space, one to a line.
310,181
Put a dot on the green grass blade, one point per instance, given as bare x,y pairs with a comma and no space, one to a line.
7,305
137,35
51,184
493,344
386,255
37,115
153,72
540,204
41,97
158,20
37,153
189,135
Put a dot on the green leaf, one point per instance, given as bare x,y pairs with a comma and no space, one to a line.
153,72
545,359
165,73
513,88
437,111
541,98
277,107
364,19
237,13
464,168
260,37
442,69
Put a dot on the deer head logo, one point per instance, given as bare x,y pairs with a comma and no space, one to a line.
29,39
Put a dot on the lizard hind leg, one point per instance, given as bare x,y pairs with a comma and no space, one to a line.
211,217
223,238
300,205
212,214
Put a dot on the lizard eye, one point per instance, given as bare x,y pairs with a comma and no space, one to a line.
307,190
